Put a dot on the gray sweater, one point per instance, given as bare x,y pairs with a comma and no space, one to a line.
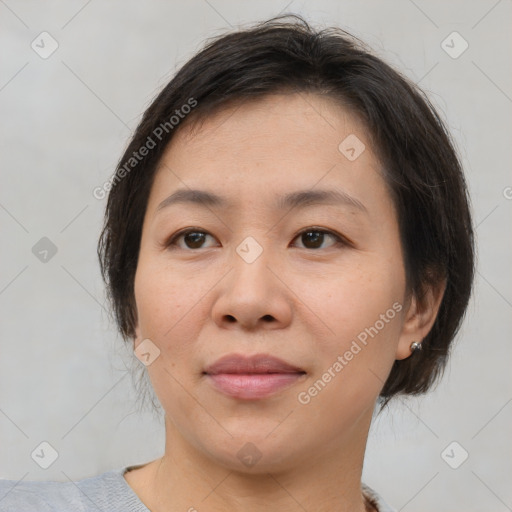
108,492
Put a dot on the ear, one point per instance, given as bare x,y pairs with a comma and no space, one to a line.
420,317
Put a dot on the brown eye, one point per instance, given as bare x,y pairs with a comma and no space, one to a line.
192,238
314,238
311,239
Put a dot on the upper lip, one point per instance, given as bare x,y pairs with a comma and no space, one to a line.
259,363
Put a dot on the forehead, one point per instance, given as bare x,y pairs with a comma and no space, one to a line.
264,148
252,127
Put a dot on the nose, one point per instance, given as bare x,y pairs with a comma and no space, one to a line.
252,297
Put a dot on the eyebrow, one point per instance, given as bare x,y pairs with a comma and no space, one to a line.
298,199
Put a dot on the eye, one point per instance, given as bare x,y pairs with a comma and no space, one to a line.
193,239
313,238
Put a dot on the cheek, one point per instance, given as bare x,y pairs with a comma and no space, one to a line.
350,300
362,307
354,360
165,304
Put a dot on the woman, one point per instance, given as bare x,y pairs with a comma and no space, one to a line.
287,244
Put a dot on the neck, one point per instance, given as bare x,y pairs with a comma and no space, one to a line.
185,478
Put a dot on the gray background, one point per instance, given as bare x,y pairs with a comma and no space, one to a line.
65,121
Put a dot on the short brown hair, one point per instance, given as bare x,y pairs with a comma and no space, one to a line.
420,164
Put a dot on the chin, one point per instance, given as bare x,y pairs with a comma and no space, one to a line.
254,452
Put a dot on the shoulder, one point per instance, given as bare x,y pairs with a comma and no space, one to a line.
376,499
107,491
22,496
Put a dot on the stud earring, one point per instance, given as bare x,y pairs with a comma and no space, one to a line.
415,346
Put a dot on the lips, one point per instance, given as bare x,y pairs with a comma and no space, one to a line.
260,363
252,378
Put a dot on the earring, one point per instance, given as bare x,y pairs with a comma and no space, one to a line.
415,346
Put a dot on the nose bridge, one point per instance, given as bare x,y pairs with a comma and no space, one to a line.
250,266
250,250
252,295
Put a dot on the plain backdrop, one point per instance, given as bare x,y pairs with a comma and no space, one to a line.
67,116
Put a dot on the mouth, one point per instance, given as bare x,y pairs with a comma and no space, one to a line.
252,378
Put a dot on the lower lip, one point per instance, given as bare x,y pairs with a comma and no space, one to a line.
253,386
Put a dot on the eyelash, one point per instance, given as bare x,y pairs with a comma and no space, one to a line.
339,239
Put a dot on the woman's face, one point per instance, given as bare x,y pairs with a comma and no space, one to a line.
317,282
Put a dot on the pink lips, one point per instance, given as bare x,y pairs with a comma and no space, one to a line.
252,378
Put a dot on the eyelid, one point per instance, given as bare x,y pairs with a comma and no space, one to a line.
340,239
170,242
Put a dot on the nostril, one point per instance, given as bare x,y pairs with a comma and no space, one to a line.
268,318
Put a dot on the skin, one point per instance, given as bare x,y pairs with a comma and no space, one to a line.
300,300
